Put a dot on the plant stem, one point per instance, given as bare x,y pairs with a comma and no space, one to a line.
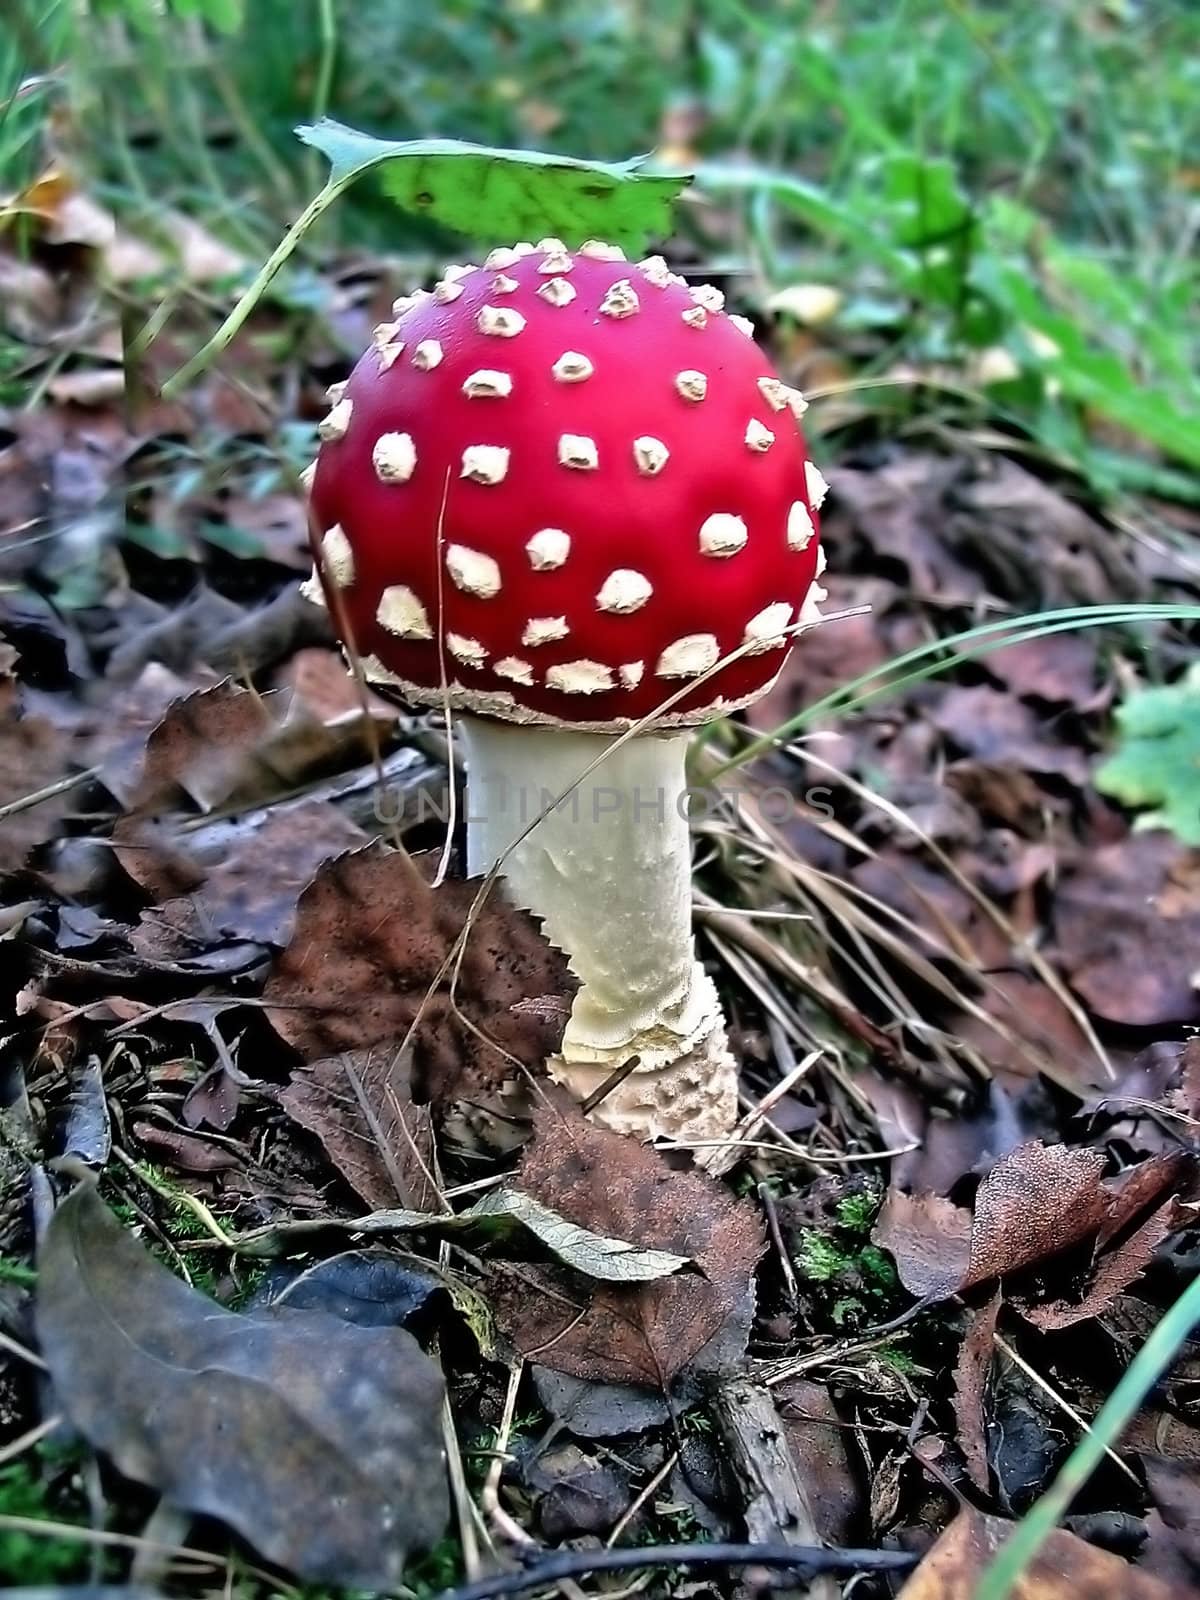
224,335
327,24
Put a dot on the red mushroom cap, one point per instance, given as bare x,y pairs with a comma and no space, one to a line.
560,486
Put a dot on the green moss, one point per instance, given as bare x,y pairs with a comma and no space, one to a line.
31,1558
819,1258
899,1360
853,1280
436,1570
857,1211
876,1266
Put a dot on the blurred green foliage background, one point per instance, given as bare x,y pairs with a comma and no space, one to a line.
1010,192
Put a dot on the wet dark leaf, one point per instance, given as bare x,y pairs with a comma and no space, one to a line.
318,1441
576,1494
595,1410
89,1130
371,1288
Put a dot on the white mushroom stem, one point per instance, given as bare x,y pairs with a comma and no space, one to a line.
608,871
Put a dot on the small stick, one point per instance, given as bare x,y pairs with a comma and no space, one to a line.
803,1560
489,1500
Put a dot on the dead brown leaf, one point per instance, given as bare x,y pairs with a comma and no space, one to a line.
33,754
370,939
970,1389
184,1151
199,748
832,655
1127,926
1173,1527
646,1333
817,1441
1066,1568
997,728
1155,1102
224,743
1037,1202
1059,668
235,879
898,510
359,1104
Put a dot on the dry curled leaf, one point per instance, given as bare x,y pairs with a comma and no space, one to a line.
370,941
1037,1202
316,1440
199,748
1066,1567
223,743
608,1183
970,1386
359,1104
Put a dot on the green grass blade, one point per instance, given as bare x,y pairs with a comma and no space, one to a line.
1015,1556
940,655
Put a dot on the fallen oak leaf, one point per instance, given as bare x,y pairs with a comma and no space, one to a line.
316,1440
367,956
642,1334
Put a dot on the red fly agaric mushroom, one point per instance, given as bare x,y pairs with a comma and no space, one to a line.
559,491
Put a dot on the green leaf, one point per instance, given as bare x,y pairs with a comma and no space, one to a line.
495,194
1158,763
819,210
1088,374
924,201
226,16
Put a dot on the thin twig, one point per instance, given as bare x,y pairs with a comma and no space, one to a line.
643,1496
493,1512
29,1438
21,1352
803,1561
63,786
